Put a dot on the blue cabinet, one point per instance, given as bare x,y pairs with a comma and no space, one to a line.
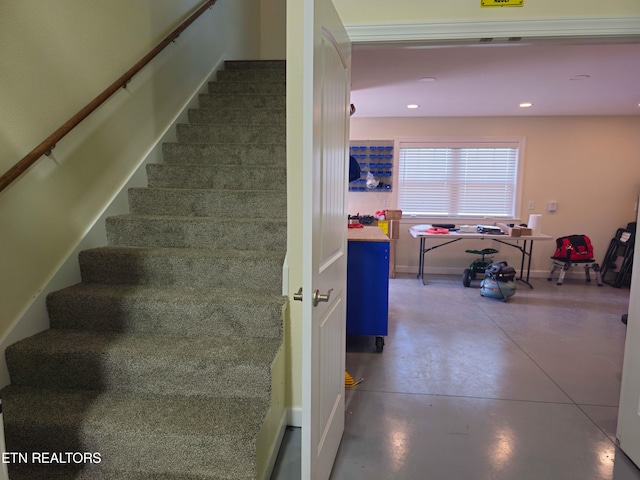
368,289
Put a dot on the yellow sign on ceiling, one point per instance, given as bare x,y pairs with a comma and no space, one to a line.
501,3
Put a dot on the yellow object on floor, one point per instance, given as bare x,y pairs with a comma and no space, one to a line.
349,381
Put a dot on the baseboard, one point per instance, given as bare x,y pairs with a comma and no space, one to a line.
4,472
412,270
294,416
274,448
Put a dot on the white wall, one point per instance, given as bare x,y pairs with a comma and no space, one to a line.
589,165
61,55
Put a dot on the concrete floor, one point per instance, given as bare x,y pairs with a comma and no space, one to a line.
469,387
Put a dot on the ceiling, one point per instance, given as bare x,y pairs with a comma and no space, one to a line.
491,78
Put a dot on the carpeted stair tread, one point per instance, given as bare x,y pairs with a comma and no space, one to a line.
208,203
225,154
258,134
173,434
216,177
238,116
206,366
239,100
174,311
197,232
183,267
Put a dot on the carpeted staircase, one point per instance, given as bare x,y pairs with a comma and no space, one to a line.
160,361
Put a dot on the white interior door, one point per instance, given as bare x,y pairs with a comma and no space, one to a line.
628,431
325,177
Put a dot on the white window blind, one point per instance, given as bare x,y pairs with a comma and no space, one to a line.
462,179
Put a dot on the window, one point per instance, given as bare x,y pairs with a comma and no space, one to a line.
460,178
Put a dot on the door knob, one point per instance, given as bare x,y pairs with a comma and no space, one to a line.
319,297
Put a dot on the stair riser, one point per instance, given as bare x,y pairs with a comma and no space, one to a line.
180,314
238,116
216,177
255,64
106,370
180,269
181,154
245,88
259,134
252,75
196,233
208,203
242,101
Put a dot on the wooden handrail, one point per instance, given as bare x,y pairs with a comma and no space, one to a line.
47,145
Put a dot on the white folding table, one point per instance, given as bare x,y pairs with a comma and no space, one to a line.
526,248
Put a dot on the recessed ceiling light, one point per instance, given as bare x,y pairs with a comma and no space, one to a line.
428,79
580,77
526,105
413,105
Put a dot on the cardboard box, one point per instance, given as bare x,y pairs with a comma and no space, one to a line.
393,214
515,231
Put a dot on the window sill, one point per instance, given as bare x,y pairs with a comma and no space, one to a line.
418,220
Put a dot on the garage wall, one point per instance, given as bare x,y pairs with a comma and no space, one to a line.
589,165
